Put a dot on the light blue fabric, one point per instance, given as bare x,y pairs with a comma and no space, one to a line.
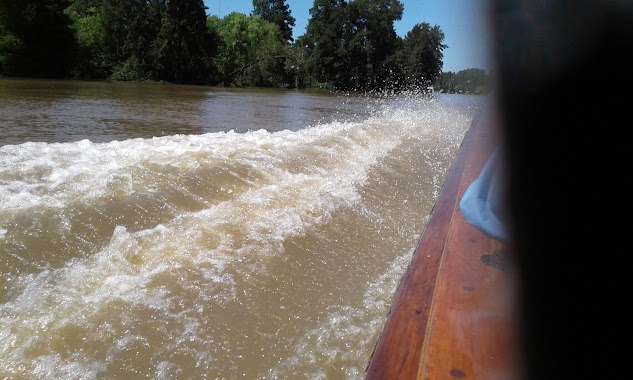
482,204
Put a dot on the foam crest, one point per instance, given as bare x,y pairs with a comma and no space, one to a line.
202,206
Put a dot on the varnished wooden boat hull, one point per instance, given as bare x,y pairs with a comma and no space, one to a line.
453,313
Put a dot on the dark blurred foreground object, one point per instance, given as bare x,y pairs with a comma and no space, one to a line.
563,86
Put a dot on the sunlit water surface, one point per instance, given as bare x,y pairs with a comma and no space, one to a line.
181,232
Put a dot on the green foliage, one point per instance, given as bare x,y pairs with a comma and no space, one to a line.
421,55
148,40
183,43
348,45
278,13
469,81
325,34
251,53
10,45
299,63
132,27
36,38
353,43
95,61
127,71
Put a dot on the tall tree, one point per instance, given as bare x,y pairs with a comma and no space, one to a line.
373,40
353,42
325,35
132,27
277,12
184,43
422,54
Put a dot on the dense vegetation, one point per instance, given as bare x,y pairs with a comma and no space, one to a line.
348,45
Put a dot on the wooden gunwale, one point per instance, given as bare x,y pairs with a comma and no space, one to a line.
452,315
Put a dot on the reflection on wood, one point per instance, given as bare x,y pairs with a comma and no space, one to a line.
453,314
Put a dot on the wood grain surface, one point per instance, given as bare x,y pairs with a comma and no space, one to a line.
453,313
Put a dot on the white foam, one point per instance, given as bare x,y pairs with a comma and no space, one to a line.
307,176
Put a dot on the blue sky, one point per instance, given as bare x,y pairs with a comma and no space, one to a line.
462,21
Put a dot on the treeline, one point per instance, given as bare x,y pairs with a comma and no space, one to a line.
348,45
469,81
